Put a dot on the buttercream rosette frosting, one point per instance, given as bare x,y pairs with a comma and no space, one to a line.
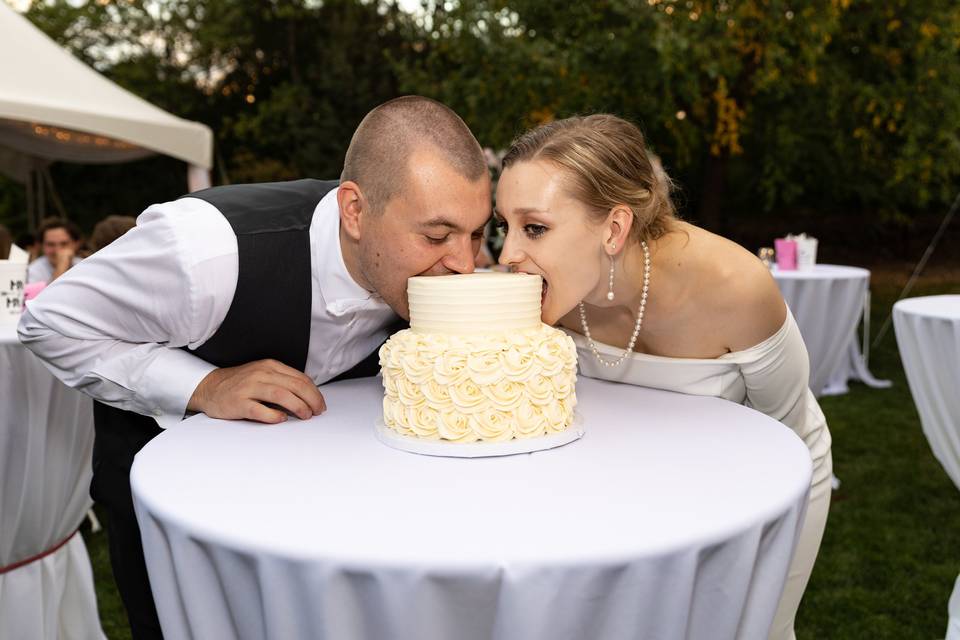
477,364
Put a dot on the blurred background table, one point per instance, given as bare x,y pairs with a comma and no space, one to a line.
828,302
46,444
674,517
928,336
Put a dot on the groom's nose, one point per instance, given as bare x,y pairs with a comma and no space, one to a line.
461,258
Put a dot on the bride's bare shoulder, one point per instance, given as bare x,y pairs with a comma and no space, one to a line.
740,290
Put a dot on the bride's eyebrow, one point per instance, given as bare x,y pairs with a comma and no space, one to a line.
522,211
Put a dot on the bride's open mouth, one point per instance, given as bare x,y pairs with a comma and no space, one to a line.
543,292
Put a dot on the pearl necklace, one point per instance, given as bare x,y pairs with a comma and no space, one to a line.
636,327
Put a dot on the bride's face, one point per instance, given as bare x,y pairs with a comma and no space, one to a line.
550,234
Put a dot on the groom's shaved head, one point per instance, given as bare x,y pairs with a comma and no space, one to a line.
381,148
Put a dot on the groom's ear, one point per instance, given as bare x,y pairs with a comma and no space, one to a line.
619,223
351,203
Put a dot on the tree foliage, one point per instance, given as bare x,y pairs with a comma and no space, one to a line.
757,106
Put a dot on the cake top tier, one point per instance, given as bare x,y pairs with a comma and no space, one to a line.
474,303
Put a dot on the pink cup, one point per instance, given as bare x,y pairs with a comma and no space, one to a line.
786,254
32,290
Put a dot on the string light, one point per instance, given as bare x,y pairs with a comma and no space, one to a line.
69,136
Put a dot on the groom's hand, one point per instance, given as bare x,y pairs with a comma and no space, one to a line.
244,393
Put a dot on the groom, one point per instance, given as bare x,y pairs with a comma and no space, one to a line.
238,301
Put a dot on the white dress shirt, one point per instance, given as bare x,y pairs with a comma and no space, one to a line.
40,270
113,325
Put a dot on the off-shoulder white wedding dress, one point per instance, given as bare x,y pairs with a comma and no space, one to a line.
771,377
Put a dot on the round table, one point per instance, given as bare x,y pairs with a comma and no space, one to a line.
828,302
673,517
928,336
46,443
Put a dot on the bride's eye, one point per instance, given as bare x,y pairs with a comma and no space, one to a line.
534,231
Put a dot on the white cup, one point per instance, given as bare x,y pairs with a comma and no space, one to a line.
806,253
13,278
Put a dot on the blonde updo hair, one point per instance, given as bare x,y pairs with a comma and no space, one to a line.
607,164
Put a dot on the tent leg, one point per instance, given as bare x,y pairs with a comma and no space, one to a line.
41,199
197,178
31,203
54,196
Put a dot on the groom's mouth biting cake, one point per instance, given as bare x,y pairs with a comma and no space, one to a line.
477,364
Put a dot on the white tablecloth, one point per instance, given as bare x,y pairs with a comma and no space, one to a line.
928,335
828,302
46,442
674,517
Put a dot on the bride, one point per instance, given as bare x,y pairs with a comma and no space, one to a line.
651,300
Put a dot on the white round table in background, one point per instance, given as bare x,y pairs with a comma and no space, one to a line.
673,517
827,303
928,336
46,444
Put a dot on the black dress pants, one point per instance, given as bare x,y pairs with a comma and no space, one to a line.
119,436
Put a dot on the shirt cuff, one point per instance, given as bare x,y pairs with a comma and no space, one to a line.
171,379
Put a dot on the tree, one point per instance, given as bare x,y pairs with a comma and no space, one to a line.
758,105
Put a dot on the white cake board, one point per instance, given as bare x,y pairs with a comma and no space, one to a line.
391,438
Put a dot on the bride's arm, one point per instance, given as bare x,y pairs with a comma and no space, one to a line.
777,377
773,357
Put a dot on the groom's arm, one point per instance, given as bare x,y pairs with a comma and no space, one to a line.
241,393
113,325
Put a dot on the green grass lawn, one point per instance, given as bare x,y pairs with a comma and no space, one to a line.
890,554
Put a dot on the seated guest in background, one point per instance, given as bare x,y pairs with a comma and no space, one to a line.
5,241
108,230
28,242
659,302
238,301
59,241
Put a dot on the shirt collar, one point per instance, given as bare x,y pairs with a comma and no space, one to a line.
341,293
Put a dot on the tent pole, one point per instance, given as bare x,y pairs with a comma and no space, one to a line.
31,205
54,196
41,200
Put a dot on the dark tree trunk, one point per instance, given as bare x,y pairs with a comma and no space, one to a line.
710,213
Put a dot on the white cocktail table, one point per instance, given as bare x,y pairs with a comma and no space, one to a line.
673,517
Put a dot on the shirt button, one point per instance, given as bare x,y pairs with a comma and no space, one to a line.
157,412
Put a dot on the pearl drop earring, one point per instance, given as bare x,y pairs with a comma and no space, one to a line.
610,296
636,327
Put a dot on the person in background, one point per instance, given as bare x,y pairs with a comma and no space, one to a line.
59,239
28,242
5,241
109,229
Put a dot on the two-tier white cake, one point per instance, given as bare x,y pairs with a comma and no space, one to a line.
477,364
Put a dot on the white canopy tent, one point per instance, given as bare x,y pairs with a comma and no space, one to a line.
54,107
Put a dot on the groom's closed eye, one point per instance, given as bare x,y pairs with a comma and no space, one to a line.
435,238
